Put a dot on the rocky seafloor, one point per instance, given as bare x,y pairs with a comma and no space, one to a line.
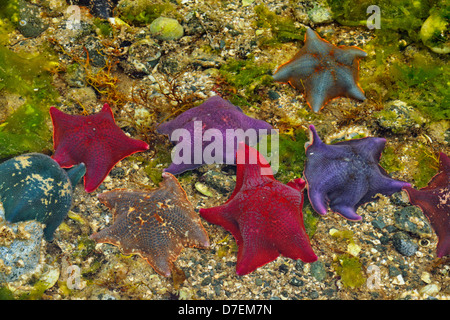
228,48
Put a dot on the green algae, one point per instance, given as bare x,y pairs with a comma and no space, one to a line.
141,13
6,294
390,160
26,128
418,77
247,76
310,218
282,28
291,155
349,268
426,164
395,15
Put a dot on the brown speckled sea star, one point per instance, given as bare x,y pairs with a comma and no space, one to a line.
155,224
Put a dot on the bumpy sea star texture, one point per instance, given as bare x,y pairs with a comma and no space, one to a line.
34,187
346,174
155,224
264,215
94,140
434,200
224,122
323,71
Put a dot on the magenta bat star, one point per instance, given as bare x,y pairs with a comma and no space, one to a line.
434,200
264,215
94,140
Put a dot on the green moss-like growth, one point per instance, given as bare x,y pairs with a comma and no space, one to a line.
141,13
418,78
350,270
291,155
310,218
426,165
26,129
282,28
246,76
396,15
390,160
6,294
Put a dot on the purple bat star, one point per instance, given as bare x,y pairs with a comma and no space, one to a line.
210,133
346,175
323,71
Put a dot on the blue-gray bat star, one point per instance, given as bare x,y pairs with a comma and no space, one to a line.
34,187
210,133
323,71
346,175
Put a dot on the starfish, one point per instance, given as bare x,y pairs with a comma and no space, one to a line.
155,224
323,71
346,175
264,215
34,187
215,118
94,140
434,200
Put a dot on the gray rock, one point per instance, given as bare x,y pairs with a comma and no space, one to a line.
411,219
30,23
23,254
143,55
320,15
399,117
404,244
318,270
219,181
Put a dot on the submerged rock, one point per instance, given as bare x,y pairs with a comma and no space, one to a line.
143,55
399,117
20,255
31,24
404,244
411,219
435,33
164,28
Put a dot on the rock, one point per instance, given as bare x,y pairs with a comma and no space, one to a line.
219,181
95,50
411,219
318,270
30,23
320,15
435,33
404,244
143,55
21,256
399,118
164,28
296,282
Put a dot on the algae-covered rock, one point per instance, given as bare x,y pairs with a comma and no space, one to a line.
399,117
30,23
435,32
164,28
143,55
